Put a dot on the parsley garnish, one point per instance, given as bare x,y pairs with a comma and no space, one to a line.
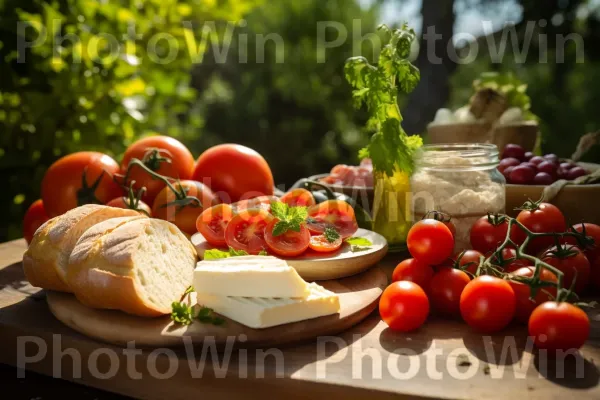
331,234
359,244
390,148
290,218
183,314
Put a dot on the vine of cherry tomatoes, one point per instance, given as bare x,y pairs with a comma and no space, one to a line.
529,269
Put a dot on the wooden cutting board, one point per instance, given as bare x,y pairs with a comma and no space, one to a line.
313,266
358,298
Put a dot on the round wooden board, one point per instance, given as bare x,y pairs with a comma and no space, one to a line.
358,298
313,266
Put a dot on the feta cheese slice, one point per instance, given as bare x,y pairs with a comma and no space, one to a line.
249,276
260,313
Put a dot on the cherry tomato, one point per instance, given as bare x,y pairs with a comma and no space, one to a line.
591,230
525,305
322,245
509,261
445,289
573,264
559,326
469,261
546,218
335,213
171,159
212,223
234,172
430,241
123,202
404,306
443,218
246,231
184,216
262,202
62,188
288,244
488,233
299,197
487,304
34,218
414,271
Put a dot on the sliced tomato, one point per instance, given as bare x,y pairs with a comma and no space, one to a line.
299,198
332,213
322,245
246,231
288,244
212,223
261,202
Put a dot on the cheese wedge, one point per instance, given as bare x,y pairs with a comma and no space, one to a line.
260,313
249,276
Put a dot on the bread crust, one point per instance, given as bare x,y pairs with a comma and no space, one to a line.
45,261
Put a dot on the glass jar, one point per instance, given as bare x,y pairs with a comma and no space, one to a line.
391,208
460,180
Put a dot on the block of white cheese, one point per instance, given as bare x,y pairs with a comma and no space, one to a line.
249,276
257,313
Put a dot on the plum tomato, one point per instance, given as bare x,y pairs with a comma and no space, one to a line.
289,243
415,271
332,213
573,263
539,218
445,289
488,232
526,305
213,222
404,306
319,243
299,197
487,304
35,216
430,241
246,231
558,326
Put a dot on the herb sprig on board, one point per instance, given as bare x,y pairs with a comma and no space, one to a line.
290,218
376,87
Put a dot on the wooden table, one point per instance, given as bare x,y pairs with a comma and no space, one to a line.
441,360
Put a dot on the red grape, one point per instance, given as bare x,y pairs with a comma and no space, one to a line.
575,172
548,167
567,165
507,172
528,156
513,150
543,178
508,162
537,160
551,157
522,175
530,165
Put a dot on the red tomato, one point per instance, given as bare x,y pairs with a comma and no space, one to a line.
595,272
246,231
404,306
525,305
509,261
430,241
591,230
288,244
262,202
487,304
172,159
443,218
559,326
335,213
124,202
62,188
184,217
573,264
234,172
445,289
212,223
469,261
414,271
546,218
299,197
488,233
322,245
34,218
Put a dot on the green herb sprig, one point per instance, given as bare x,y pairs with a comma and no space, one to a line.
290,218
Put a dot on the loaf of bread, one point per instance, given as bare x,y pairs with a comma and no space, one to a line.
45,261
136,265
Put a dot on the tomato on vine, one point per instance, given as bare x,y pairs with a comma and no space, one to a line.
487,304
444,218
538,218
525,304
445,290
558,326
507,259
489,232
469,261
430,241
415,271
572,263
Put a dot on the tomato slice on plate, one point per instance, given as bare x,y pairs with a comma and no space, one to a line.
288,244
322,245
212,223
299,198
332,213
246,231
260,202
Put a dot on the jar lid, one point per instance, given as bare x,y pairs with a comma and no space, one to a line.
457,156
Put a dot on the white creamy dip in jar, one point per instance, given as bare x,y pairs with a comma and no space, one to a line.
461,180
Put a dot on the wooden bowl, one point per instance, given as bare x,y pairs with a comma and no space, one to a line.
363,195
524,134
579,203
